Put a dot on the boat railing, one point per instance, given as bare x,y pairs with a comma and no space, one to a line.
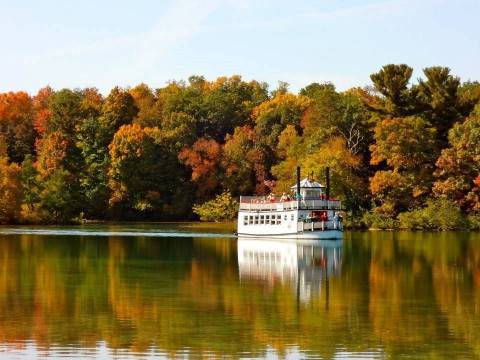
303,226
263,203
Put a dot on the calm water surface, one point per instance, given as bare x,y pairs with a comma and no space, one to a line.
171,291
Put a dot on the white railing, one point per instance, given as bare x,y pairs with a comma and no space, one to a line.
319,225
261,203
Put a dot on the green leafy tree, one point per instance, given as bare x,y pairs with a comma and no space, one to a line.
10,193
439,214
93,138
222,208
217,107
66,112
439,98
56,199
144,169
392,82
30,186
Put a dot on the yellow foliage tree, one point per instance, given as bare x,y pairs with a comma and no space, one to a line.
10,195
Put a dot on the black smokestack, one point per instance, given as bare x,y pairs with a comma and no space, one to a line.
298,182
327,175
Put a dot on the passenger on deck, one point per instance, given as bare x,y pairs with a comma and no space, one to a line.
337,219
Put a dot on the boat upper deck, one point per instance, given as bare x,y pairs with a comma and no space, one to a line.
263,203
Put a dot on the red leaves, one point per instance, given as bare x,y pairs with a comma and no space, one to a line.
477,181
203,158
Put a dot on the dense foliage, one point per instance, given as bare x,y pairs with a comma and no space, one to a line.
141,153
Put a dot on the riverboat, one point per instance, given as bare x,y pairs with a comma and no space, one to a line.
307,213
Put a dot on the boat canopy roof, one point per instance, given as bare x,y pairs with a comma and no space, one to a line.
308,184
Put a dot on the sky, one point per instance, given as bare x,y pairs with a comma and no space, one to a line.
105,43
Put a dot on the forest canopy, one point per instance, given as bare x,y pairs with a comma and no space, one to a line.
395,148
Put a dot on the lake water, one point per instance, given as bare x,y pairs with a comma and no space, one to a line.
190,291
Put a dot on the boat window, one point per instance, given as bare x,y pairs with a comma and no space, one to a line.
250,220
285,217
262,219
256,219
267,219
279,219
245,220
293,217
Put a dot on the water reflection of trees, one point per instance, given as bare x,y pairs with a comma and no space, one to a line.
400,292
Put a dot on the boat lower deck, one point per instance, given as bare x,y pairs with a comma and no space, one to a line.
305,235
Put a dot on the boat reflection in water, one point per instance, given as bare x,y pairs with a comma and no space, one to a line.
305,266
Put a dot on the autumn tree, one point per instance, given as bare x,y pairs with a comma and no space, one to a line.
52,152
272,116
333,114
320,120
407,147
244,162
144,175
346,184
149,113
16,124
92,102
41,109
340,120
290,151
458,167
118,109
204,159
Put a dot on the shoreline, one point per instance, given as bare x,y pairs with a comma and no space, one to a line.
222,224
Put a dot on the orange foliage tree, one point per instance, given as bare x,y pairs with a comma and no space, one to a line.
203,157
16,124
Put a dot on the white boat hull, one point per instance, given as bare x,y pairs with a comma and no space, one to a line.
306,235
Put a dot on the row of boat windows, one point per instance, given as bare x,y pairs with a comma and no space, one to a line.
265,219
263,256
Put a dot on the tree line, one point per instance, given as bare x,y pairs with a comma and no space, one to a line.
401,152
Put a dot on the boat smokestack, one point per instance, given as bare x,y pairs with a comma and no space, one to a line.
298,182
327,179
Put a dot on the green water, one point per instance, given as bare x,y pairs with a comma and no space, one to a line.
148,292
